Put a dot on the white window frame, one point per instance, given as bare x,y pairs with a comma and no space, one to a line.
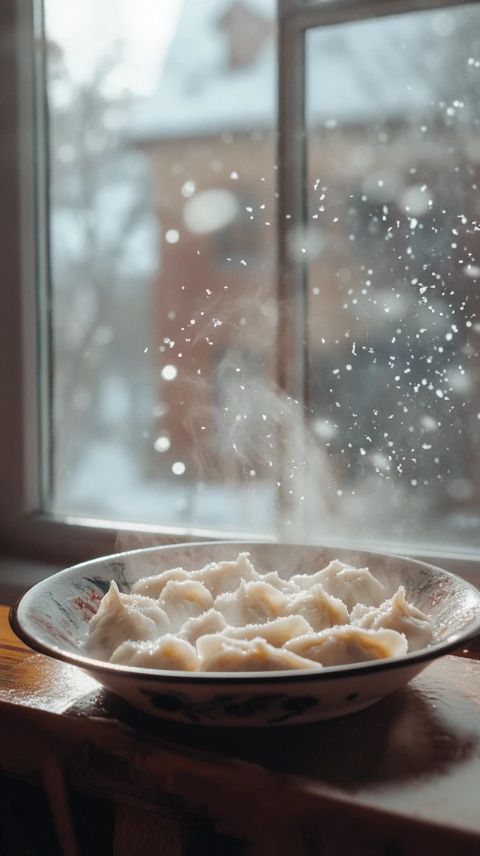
26,528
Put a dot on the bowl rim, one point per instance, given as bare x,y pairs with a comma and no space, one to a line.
325,673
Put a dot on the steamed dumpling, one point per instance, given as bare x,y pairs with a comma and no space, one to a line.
205,624
168,652
153,586
251,603
306,581
220,577
222,654
338,646
182,599
351,585
275,632
122,617
396,614
146,605
275,580
318,608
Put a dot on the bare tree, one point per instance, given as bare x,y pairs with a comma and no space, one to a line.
101,249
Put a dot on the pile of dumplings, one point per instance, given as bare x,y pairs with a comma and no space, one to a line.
227,617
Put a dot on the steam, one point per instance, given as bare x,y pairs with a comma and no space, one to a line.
269,436
234,427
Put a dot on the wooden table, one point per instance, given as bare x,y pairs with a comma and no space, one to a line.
399,778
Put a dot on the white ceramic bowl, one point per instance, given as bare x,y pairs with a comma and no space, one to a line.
52,617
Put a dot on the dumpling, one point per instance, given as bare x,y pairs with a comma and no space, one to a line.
251,603
338,646
153,586
352,585
208,622
220,577
275,580
275,632
397,614
147,606
222,654
169,652
121,617
306,581
318,608
182,599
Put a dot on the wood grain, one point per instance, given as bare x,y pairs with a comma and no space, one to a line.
405,772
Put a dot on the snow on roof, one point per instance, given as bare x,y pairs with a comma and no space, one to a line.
354,73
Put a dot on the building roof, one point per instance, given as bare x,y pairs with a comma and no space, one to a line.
354,73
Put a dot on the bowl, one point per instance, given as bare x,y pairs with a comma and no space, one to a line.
52,618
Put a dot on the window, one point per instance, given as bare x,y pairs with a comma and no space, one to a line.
392,117
156,262
184,386
241,237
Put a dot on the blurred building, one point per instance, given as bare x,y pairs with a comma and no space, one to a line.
384,276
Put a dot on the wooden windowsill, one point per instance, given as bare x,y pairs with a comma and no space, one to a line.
403,774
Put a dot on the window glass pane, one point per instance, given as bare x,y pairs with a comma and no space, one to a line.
161,228
394,275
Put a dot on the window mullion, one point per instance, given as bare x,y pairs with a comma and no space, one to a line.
291,167
292,345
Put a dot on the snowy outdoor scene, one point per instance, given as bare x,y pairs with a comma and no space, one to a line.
162,231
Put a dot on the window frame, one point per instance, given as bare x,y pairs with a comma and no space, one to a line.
295,18
26,529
